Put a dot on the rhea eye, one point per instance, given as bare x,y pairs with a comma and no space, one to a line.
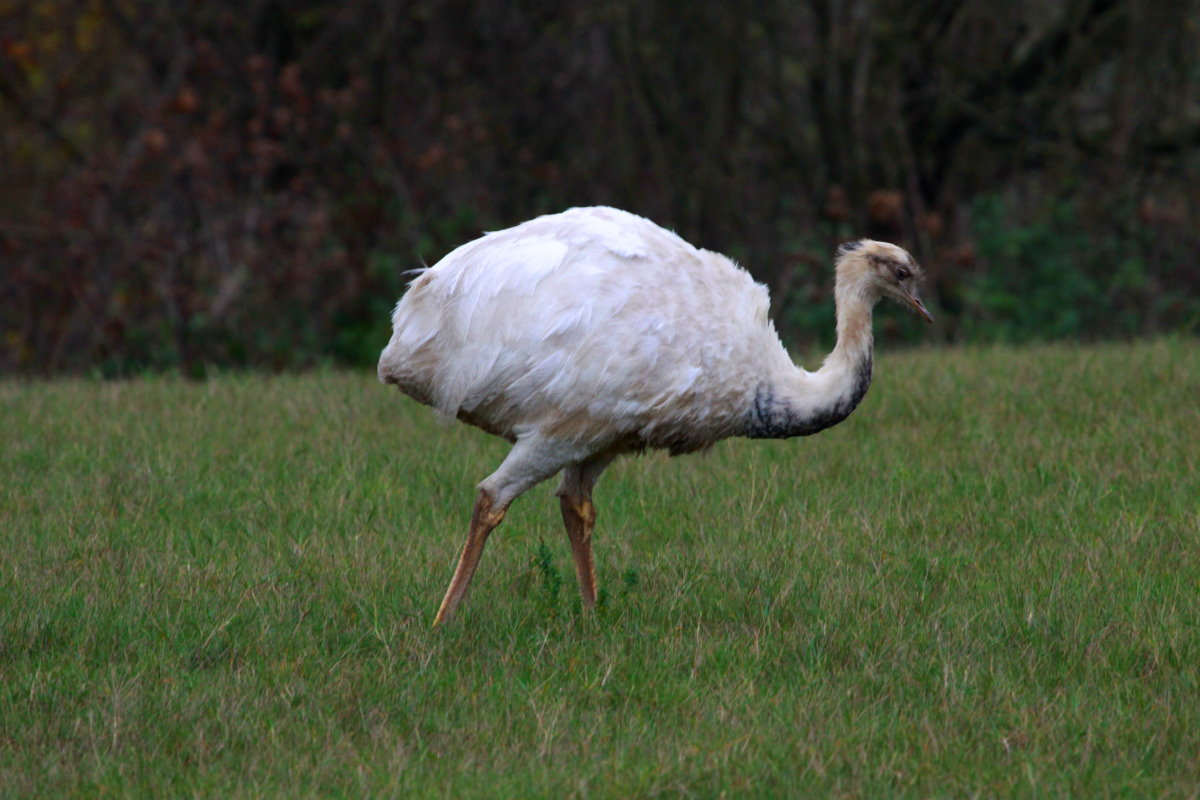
903,272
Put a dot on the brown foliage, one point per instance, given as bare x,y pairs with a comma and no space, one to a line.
221,183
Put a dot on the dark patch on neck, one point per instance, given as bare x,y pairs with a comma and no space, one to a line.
771,417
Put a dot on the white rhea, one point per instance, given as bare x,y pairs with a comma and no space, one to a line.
587,334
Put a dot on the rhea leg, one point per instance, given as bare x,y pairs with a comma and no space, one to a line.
484,520
579,516
531,461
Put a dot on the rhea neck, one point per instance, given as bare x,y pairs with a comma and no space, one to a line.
794,402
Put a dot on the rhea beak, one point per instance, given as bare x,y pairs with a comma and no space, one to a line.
914,301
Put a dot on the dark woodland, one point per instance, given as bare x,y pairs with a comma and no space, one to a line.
219,184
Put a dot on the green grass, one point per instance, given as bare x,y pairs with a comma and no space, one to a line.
986,582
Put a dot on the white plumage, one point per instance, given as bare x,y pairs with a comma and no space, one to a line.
582,335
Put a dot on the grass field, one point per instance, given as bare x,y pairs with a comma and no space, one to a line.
986,582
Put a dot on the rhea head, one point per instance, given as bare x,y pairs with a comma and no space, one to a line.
880,269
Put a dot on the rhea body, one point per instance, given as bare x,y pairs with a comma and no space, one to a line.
583,335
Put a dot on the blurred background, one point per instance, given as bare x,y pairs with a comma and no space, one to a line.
190,184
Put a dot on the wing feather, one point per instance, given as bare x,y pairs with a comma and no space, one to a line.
593,315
